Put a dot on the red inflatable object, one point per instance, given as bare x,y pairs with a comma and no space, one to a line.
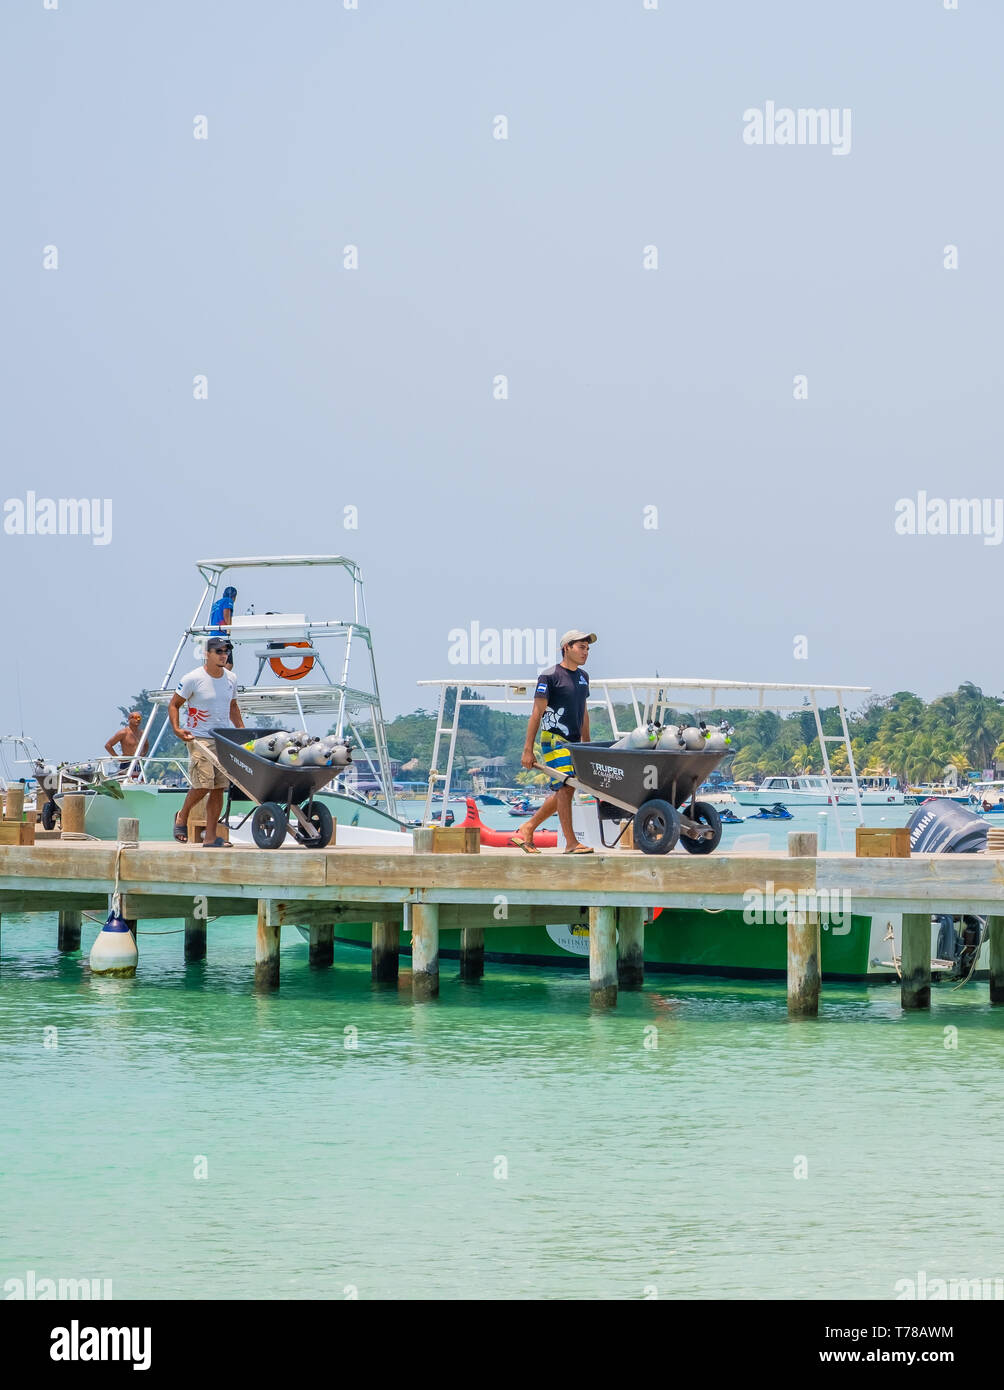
543,839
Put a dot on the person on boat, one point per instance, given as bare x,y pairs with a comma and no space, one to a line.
560,713
210,693
127,739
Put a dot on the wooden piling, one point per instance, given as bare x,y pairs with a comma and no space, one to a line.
13,805
128,830
603,956
69,931
424,951
472,953
995,951
71,813
195,937
803,941
915,988
266,956
630,947
386,943
322,945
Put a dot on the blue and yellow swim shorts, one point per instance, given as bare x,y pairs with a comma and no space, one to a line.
556,756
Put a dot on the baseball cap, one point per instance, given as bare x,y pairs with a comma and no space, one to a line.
220,644
574,635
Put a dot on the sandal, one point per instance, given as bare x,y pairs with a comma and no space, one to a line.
180,832
525,845
218,843
580,849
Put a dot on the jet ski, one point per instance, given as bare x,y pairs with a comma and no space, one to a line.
776,812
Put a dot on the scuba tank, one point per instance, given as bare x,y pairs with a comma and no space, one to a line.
693,738
645,736
338,751
314,755
671,739
720,738
289,757
270,746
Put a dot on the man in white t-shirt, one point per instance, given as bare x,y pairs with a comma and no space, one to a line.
210,694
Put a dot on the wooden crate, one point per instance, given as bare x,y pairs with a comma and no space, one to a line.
18,832
870,843
197,826
453,839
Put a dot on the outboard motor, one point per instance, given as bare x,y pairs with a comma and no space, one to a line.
945,827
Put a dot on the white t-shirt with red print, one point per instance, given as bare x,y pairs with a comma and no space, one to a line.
208,706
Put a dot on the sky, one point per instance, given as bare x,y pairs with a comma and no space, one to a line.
629,385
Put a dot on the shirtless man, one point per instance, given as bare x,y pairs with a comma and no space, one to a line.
127,739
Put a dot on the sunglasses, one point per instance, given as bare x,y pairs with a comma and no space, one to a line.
226,651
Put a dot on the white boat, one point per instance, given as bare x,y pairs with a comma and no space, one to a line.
942,791
289,666
793,791
990,793
874,790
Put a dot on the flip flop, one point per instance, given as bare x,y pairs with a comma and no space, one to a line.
524,845
580,849
218,843
180,832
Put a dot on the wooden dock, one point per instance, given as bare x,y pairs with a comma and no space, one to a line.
496,888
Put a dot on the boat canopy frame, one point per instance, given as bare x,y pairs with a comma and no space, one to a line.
294,697
649,698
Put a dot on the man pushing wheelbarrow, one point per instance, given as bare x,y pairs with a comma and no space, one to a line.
560,714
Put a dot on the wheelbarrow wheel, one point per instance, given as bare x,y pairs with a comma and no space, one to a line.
704,814
48,816
656,827
321,819
268,825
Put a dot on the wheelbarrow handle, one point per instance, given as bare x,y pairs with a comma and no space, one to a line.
570,781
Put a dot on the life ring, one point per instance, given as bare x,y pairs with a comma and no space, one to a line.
297,673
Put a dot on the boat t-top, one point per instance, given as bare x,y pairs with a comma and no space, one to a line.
292,667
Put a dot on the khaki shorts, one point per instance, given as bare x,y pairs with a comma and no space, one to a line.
202,771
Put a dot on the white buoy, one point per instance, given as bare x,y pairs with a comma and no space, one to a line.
114,951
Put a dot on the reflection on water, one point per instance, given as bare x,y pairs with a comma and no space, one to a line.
502,1142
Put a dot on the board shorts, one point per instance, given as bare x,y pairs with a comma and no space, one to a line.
555,755
202,771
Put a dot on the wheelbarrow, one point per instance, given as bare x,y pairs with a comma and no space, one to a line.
283,796
653,788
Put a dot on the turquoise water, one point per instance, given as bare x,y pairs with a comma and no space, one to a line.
334,1170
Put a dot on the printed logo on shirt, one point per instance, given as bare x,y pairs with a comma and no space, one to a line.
542,688
582,680
196,716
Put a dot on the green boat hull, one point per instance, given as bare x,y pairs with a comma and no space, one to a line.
692,942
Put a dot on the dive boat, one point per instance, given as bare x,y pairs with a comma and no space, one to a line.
291,668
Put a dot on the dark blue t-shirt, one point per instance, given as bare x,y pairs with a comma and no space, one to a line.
567,692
